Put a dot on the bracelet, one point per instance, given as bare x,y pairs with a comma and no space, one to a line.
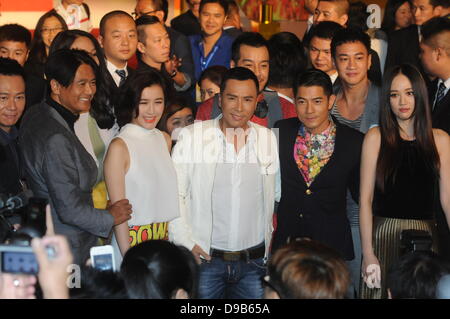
174,73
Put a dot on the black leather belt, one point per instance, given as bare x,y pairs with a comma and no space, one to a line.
245,255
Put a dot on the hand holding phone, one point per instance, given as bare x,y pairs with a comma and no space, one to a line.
102,257
54,256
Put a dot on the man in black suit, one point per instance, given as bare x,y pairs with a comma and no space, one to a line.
118,38
403,44
319,161
188,23
180,65
435,57
12,104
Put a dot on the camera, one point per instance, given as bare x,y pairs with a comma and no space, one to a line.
16,254
412,240
31,211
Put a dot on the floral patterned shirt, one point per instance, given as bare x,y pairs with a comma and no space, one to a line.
313,151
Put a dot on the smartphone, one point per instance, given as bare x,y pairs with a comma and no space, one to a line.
18,260
102,257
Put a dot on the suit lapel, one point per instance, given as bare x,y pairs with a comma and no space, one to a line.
292,168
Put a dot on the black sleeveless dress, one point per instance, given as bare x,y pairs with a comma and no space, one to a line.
408,201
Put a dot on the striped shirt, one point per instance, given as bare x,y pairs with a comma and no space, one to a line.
355,124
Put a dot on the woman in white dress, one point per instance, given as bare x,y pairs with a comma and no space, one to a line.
138,164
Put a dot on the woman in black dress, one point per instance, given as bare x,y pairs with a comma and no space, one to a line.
405,166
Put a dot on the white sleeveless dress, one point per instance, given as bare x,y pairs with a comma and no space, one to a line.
151,181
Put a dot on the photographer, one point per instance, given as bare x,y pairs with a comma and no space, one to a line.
52,276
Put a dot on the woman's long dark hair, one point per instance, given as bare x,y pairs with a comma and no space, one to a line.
389,156
388,25
37,50
102,104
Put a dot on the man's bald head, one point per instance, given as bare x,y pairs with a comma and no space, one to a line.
332,10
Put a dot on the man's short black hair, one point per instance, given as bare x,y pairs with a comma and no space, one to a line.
313,77
11,67
252,39
240,74
222,3
110,15
15,33
62,65
349,35
325,30
432,28
443,3
143,21
161,5
416,275
287,59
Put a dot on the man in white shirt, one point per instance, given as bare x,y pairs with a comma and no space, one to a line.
118,38
226,181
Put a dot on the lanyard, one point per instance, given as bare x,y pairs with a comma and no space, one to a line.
205,62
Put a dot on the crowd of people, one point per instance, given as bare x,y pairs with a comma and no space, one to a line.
308,166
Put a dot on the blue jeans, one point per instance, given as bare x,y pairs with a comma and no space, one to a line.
231,279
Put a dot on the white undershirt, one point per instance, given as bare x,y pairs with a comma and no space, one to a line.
334,77
237,198
112,70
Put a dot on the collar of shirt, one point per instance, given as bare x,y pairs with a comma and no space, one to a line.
446,83
6,138
303,132
229,153
112,70
333,77
68,116
199,43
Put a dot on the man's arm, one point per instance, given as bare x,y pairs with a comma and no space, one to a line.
182,49
72,204
180,231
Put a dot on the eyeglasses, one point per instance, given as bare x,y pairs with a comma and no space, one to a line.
267,283
139,14
52,30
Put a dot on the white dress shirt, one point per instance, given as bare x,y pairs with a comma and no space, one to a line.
112,70
237,198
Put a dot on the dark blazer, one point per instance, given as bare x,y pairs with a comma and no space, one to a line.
181,47
403,47
441,119
186,23
58,168
318,212
441,112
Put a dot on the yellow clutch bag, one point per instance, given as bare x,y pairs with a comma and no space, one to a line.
99,195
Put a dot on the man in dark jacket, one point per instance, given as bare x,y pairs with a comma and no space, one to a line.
319,161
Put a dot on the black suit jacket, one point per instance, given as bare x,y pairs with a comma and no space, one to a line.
403,47
186,23
441,111
181,47
318,211
441,119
